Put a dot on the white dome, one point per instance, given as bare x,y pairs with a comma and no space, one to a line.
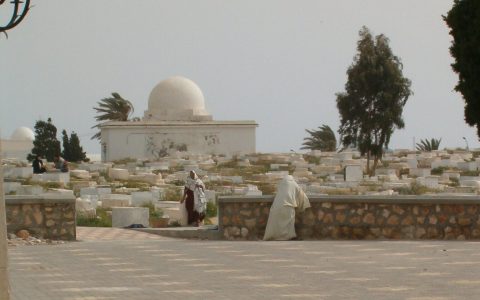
176,98
23,134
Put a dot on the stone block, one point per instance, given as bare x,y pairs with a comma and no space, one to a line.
353,173
147,178
9,187
118,174
61,177
115,200
420,172
141,198
29,190
82,174
21,172
126,216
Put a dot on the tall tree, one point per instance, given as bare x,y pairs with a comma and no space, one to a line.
66,153
375,93
45,143
76,151
114,108
322,139
72,151
464,22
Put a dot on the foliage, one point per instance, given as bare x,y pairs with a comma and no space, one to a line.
114,108
438,171
464,22
152,212
72,151
428,145
375,93
311,159
173,194
470,173
454,182
45,144
135,184
415,189
102,219
211,210
322,139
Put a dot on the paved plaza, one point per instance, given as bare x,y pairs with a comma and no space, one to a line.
122,264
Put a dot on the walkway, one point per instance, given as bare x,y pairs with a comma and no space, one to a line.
124,264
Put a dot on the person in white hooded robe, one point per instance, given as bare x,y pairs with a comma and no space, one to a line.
281,220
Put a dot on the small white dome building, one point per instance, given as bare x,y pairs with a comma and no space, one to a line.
176,120
177,99
22,134
19,145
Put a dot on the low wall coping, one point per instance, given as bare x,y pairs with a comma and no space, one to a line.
434,199
36,199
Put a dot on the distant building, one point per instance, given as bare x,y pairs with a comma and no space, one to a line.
176,120
19,145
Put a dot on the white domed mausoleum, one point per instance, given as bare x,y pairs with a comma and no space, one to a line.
19,145
176,120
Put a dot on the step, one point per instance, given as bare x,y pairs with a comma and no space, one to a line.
207,232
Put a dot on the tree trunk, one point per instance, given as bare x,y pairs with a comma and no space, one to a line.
368,163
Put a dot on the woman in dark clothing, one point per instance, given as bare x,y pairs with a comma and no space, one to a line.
194,197
37,165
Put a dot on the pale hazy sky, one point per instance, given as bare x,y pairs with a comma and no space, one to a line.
277,62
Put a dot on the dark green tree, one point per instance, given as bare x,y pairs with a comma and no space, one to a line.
45,144
375,93
72,151
76,151
428,145
464,22
322,139
66,153
114,108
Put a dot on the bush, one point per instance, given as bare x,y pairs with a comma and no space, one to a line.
152,212
211,210
438,171
101,220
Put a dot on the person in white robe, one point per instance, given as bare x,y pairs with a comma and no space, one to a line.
281,220
194,200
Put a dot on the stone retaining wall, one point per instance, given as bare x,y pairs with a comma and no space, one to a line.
359,217
46,217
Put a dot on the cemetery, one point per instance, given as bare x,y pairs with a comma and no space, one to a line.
412,195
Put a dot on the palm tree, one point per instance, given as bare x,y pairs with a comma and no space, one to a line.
114,108
322,139
426,145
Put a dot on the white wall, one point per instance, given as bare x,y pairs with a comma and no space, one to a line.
145,142
16,149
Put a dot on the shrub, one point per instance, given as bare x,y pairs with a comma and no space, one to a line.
101,220
211,210
152,212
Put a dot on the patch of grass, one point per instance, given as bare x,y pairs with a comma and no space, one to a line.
173,194
439,170
454,182
152,212
415,189
101,220
124,161
142,186
311,159
469,173
211,210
